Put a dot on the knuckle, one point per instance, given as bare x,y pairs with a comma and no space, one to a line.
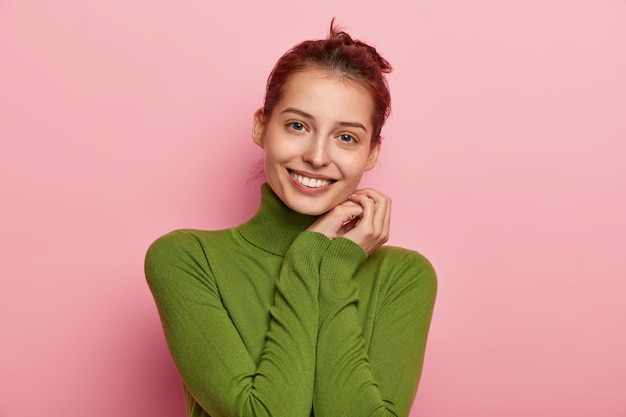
368,231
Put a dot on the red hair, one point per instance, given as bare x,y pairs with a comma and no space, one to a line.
339,54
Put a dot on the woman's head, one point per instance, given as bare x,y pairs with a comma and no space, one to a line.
320,127
339,55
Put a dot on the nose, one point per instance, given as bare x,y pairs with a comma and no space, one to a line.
316,153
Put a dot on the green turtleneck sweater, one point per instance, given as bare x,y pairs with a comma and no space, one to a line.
268,319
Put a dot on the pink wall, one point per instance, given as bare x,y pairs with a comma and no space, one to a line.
120,121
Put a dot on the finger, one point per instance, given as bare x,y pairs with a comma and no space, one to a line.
384,214
368,218
383,209
376,226
375,195
348,226
388,216
348,210
386,220
332,223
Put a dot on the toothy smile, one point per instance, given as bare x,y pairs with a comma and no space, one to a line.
310,182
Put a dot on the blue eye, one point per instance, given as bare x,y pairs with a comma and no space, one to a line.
346,138
296,126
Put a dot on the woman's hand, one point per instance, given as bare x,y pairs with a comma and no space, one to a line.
364,219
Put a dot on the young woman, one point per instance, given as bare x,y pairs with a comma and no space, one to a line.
301,311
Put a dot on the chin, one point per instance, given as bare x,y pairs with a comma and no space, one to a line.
310,205
308,209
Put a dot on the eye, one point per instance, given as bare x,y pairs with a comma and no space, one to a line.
297,126
346,138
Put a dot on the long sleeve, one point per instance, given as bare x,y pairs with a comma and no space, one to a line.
381,380
215,366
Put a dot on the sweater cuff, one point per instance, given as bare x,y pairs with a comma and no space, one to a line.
307,250
341,259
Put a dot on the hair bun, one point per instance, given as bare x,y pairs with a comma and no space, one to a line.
346,39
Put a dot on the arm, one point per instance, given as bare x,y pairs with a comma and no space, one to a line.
213,362
382,381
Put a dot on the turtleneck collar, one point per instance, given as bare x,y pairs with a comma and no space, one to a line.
274,226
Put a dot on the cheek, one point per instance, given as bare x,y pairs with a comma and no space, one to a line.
273,151
355,166
280,151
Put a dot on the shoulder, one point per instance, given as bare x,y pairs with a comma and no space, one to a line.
405,265
182,247
177,241
403,258
187,240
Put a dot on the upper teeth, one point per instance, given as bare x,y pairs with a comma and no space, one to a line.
310,182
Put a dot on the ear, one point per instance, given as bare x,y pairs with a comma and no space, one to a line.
258,127
373,156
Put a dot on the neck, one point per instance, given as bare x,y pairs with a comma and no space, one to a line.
274,227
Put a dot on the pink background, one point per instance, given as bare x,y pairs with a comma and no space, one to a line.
505,157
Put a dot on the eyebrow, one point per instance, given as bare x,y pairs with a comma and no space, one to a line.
310,117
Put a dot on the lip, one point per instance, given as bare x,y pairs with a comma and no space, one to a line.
311,175
307,190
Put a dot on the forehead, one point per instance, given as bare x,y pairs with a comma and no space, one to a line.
328,95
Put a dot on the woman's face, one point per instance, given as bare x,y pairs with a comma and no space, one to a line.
317,141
